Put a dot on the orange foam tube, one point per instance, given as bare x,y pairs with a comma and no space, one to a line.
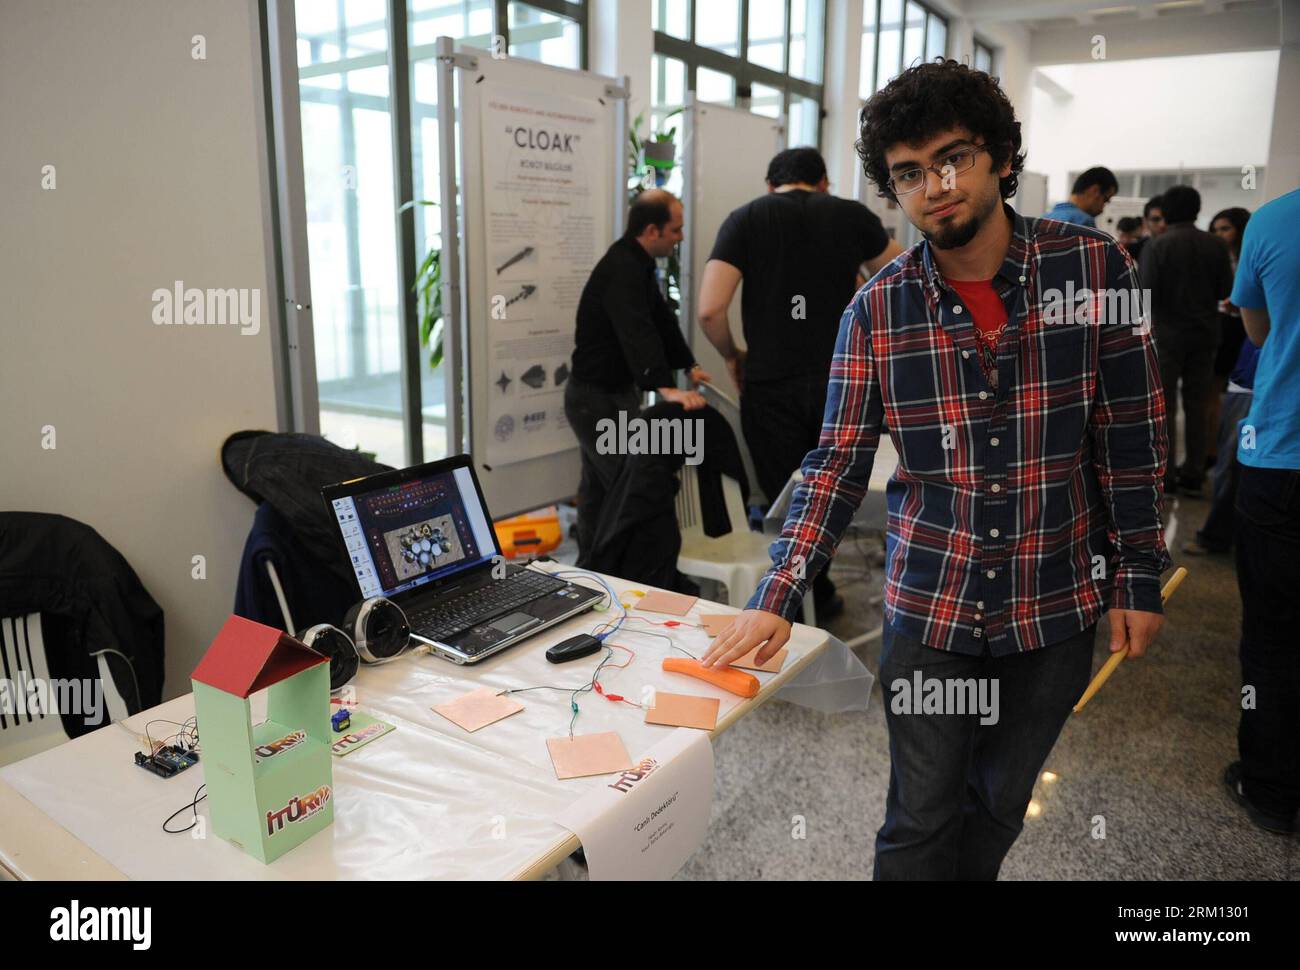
728,678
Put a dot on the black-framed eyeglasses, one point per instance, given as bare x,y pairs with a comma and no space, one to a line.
910,180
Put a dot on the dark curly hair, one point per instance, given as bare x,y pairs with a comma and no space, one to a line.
929,98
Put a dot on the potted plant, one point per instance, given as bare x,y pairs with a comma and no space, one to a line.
658,152
428,285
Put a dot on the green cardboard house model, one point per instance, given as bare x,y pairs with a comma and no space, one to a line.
270,786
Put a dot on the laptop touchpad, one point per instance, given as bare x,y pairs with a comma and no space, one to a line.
513,621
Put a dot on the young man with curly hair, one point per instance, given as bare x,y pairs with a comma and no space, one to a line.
1013,367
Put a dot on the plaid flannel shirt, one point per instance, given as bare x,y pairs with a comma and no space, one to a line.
1018,513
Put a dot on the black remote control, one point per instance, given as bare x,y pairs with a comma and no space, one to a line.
574,648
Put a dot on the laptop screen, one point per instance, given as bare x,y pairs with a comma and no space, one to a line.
403,536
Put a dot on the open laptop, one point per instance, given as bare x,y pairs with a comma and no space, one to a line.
423,538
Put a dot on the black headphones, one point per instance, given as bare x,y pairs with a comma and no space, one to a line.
330,641
379,629
374,631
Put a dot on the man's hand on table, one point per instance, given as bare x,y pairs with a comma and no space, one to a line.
746,632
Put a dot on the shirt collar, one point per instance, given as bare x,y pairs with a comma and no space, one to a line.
635,247
1015,266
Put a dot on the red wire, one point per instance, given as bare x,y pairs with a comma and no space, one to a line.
623,666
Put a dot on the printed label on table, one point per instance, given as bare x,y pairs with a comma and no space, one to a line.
646,822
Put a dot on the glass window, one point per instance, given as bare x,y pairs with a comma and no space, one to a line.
767,34
466,20
715,86
807,31
891,41
783,50
667,95
867,69
805,121
913,35
983,60
470,22
765,100
670,17
667,82
348,170
540,35
351,239
936,38
717,25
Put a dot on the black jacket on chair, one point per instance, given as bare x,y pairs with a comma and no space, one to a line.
288,471
90,600
638,537
314,593
293,529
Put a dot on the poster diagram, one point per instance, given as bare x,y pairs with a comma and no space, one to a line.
547,163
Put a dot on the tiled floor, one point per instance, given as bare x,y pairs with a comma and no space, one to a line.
1146,755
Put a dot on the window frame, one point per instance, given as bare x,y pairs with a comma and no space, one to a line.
746,73
296,330
577,12
930,14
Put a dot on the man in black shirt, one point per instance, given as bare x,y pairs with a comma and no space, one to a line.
1153,224
627,342
800,251
1187,271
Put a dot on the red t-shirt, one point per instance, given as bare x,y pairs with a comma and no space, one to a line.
990,318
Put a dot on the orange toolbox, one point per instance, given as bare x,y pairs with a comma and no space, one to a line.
532,534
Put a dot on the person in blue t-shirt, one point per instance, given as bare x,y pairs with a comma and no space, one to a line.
1092,190
1266,781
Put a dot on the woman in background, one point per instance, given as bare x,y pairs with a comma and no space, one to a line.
1216,535
1228,225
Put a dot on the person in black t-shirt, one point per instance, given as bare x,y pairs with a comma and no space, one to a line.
801,252
627,341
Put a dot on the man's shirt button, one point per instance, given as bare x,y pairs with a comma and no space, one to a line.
1022,279
993,442
991,574
983,395
956,309
965,353
994,533
997,487
980,604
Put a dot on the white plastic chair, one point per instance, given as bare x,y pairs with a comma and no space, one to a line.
729,408
25,728
739,559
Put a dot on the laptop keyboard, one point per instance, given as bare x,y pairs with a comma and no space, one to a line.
456,615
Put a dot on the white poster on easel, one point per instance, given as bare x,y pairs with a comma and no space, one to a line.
546,164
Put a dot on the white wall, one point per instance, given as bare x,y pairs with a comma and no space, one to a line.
1201,111
1283,172
158,178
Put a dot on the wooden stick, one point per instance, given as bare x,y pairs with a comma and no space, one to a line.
1118,656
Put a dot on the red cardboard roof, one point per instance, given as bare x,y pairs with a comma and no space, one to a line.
247,656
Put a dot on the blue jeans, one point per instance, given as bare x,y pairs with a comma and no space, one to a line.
1217,533
958,789
1268,574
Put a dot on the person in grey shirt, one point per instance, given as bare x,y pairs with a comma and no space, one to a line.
1187,271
